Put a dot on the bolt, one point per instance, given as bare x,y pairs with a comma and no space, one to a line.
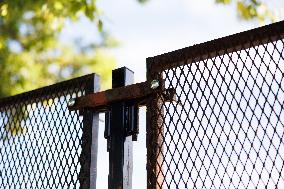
71,102
155,84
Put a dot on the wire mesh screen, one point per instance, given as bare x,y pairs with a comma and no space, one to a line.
226,128
40,139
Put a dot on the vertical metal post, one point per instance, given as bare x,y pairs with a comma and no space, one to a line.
155,134
88,158
120,147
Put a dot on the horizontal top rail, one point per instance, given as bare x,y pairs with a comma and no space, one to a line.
46,91
217,47
136,93
107,97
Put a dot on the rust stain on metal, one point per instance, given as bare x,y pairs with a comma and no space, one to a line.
131,92
217,47
154,138
136,92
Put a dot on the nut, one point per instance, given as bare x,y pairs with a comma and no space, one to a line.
71,102
155,84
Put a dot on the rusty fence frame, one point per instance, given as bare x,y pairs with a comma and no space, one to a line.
121,104
89,141
153,97
157,64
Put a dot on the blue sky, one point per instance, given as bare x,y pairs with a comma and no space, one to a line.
154,28
159,26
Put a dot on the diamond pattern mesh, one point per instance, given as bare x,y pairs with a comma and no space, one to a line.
226,128
40,139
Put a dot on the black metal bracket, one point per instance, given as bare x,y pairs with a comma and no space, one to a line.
121,106
133,96
131,124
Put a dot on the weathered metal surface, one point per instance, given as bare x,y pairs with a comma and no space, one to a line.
104,98
136,92
217,47
154,136
90,140
52,142
45,92
120,146
238,61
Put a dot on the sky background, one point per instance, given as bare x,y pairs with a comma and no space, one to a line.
156,27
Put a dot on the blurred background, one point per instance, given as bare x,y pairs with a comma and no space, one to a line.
43,42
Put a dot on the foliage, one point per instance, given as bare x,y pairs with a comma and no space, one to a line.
251,9
31,54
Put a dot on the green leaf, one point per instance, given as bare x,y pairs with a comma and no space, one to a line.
223,1
100,25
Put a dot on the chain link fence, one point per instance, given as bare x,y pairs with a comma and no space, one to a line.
41,142
226,128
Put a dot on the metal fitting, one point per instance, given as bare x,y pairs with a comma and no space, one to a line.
155,84
71,102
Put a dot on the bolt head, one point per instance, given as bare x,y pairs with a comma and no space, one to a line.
71,102
155,84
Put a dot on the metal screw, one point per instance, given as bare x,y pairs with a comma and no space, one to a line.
71,102
155,84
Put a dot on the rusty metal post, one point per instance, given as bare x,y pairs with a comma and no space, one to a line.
88,158
119,146
155,132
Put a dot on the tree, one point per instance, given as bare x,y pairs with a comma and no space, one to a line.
31,54
251,9
247,9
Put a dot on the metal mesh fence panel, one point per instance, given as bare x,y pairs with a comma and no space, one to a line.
41,144
226,128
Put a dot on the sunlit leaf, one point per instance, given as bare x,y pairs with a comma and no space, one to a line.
223,1
100,25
